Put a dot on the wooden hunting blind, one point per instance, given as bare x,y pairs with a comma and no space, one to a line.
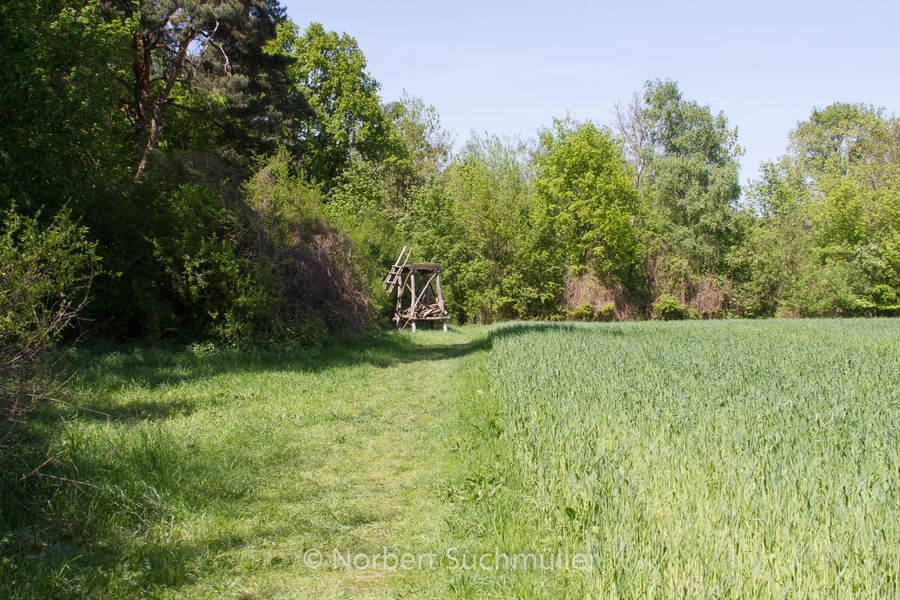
418,288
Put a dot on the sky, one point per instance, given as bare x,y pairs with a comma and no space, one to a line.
509,68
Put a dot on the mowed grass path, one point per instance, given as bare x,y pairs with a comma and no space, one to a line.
218,472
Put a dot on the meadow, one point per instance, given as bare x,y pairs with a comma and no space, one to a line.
201,472
723,459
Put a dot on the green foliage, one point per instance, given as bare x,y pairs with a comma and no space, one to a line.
318,278
826,291
212,285
62,136
285,202
207,57
836,138
841,181
181,265
330,71
687,161
430,224
587,312
45,273
679,127
45,270
485,232
766,265
242,177
668,308
777,192
585,196
358,206
427,145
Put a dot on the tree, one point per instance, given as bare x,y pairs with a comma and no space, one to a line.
62,137
633,129
477,218
841,176
213,48
330,71
835,139
693,174
489,201
426,145
686,159
585,194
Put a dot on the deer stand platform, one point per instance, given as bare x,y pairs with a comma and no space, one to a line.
419,296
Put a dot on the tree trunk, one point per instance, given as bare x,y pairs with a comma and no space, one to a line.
156,118
142,52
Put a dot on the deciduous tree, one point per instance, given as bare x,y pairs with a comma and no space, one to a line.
841,176
330,71
585,194
686,164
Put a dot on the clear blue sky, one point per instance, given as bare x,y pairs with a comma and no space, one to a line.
509,68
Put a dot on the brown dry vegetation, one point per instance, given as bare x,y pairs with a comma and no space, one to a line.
586,290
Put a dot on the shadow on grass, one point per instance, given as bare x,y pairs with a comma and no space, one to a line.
64,539
105,369
93,521
47,560
102,520
517,328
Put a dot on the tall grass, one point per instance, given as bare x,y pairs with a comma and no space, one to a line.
693,460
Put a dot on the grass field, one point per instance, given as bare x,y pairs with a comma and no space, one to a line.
732,459
728,459
216,471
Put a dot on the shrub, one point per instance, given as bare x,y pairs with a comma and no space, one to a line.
825,290
605,313
321,263
668,308
587,312
45,273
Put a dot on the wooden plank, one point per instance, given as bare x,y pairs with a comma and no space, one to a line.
425,289
424,266
440,297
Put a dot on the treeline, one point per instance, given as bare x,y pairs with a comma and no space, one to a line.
236,177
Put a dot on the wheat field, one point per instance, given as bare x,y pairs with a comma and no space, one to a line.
741,459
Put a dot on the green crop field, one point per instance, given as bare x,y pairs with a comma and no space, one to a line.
696,460
724,459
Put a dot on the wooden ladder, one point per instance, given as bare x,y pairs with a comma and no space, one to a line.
393,277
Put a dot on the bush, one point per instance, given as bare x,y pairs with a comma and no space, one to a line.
218,291
587,312
605,313
668,308
321,263
45,273
825,291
